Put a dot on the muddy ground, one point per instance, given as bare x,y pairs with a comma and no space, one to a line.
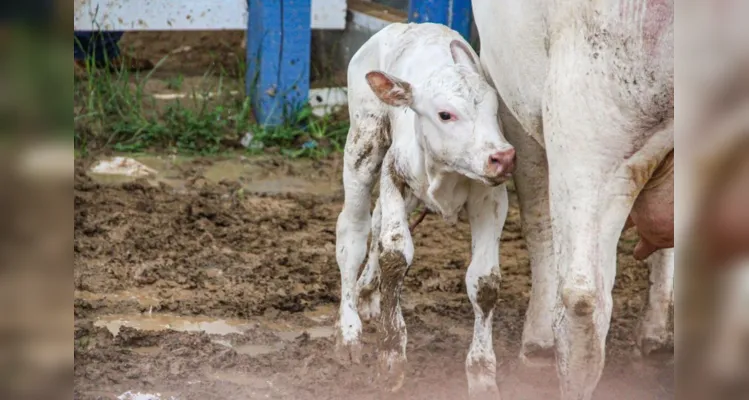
220,280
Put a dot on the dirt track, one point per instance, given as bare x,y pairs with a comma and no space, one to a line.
251,260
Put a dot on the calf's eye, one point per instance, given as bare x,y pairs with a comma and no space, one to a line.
445,116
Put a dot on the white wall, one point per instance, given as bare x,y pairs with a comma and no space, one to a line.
143,15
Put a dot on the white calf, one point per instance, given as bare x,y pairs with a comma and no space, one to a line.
591,84
424,118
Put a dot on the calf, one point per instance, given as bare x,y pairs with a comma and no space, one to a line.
424,119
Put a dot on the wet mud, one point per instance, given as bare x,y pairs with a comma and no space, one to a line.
217,279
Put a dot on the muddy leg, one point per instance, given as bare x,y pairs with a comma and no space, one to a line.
487,211
396,254
368,285
362,161
531,181
653,333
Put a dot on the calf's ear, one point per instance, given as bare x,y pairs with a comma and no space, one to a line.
463,55
389,89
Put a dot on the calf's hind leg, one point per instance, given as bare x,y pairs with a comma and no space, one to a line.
368,286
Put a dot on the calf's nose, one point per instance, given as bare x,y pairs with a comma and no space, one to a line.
502,162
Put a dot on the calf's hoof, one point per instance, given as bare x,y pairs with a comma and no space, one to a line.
482,382
484,393
537,355
653,342
392,372
348,352
653,346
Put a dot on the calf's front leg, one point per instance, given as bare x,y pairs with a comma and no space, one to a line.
396,251
487,211
368,285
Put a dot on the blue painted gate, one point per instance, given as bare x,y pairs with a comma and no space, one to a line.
278,49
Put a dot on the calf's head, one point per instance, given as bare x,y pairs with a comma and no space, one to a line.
455,115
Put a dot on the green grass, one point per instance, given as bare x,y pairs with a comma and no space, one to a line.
114,111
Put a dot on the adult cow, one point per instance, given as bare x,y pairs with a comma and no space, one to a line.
591,84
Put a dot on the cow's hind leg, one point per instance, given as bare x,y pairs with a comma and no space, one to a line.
531,183
653,335
366,145
487,211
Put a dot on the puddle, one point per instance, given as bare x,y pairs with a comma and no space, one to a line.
254,178
230,169
211,326
284,332
289,185
257,179
316,332
129,395
158,322
258,349
250,349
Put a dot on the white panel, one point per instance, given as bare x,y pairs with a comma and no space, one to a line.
159,15
369,22
323,100
327,100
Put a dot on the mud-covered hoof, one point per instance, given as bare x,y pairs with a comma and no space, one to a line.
654,342
484,392
392,371
651,346
348,353
537,356
482,383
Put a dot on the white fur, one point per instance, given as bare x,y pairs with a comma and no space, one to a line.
582,84
420,159
653,333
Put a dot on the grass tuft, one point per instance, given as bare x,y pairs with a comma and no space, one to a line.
117,111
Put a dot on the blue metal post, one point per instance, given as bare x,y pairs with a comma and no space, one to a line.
454,13
278,57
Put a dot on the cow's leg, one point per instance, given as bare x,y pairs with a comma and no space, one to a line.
600,158
531,182
363,154
653,333
396,250
368,285
487,211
